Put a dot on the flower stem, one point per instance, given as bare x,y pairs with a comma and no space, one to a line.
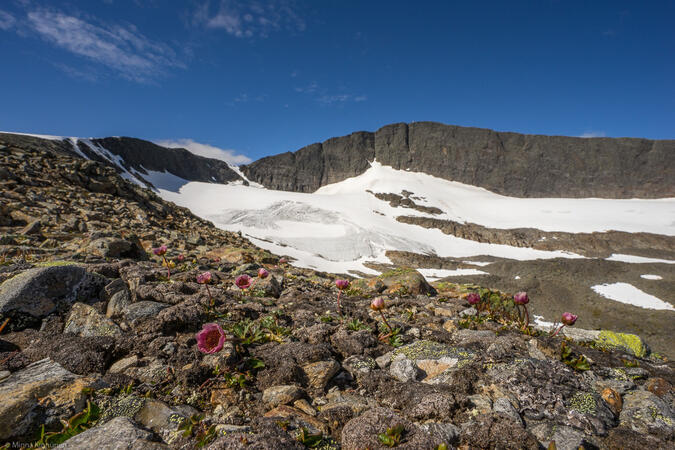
527,318
386,323
558,330
338,304
208,291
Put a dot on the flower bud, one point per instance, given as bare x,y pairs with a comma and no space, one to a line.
569,319
159,251
204,278
521,298
342,284
262,273
377,304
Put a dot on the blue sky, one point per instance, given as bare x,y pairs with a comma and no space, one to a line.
264,77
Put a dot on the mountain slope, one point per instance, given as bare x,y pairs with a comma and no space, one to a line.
505,163
140,161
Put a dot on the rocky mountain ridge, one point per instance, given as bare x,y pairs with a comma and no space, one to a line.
133,157
506,163
98,341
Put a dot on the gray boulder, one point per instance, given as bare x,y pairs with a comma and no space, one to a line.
36,293
119,434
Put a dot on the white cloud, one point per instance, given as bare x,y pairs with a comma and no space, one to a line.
341,98
209,151
7,20
248,19
121,48
591,134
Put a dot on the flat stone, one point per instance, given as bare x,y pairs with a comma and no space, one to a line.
85,321
123,364
304,406
143,309
119,433
21,391
320,373
433,367
281,395
162,418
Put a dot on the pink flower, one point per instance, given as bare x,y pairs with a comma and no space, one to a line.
243,281
377,304
342,284
204,278
262,273
211,338
569,319
159,251
181,257
283,260
521,298
473,298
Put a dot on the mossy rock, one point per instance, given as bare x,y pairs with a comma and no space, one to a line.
400,281
630,343
424,349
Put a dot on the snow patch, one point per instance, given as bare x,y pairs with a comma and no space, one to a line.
651,277
637,259
630,295
437,274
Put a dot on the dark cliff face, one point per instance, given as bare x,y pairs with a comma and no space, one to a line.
178,161
137,154
506,163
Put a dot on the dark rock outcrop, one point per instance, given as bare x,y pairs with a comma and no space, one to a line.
136,154
506,163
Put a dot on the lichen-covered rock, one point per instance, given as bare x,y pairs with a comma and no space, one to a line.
85,321
362,431
630,343
646,413
119,433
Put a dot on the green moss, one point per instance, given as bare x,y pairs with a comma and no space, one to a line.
584,402
56,263
397,272
624,341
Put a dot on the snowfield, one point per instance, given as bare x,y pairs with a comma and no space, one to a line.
341,226
630,295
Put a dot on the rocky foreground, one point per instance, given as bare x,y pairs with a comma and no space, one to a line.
98,345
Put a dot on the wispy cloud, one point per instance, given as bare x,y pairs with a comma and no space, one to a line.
309,89
325,97
7,20
591,134
341,98
209,151
250,19
123,49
